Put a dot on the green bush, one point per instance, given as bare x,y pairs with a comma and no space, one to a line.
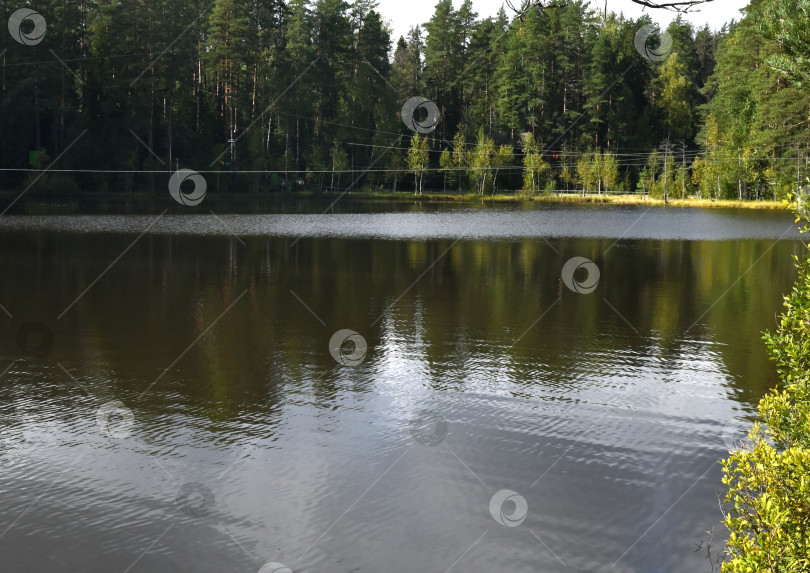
769,481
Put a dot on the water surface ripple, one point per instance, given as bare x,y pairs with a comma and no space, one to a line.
628,222
250,443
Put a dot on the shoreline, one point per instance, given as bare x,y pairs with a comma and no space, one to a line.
618,199
437,197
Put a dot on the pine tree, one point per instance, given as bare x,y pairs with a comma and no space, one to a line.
309,87
442,64
228,36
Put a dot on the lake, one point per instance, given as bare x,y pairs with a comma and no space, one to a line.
383,387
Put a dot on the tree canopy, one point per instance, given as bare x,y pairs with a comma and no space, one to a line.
273,92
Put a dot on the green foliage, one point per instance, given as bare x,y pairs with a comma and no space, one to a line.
588,171
406,69
461,157
610,171
756,124
769,482
533,163
675,98
446,165
598,171
503,158
785,23
649,174
481,161
417,160
395,163
300,87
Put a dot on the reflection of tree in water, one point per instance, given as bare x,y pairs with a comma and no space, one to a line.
266,261
457,322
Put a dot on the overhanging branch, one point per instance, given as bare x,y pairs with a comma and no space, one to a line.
682,6
522,7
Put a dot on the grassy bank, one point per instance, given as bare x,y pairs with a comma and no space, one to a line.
629,199
408,196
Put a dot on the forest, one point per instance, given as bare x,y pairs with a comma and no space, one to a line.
267,96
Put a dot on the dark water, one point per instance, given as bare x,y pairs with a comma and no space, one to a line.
171,401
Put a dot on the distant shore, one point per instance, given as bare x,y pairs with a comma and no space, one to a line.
408,196
618,199
568,197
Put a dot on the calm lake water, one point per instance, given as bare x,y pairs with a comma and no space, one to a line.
419,389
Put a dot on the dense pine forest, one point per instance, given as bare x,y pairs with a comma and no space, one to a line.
267,96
